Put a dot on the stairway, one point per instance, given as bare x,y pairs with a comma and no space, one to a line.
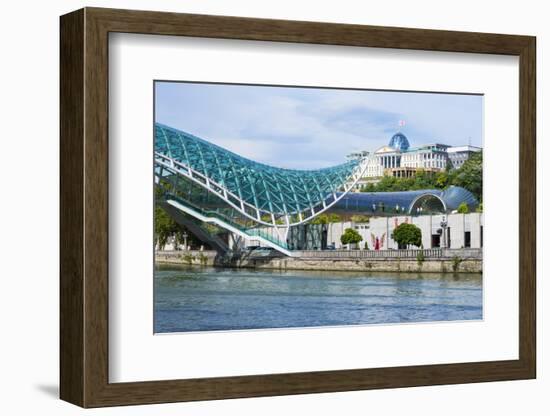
270,241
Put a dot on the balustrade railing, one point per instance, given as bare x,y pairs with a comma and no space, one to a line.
430,253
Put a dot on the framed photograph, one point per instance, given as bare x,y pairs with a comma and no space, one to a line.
254,207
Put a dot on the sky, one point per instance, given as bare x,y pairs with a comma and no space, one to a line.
311,128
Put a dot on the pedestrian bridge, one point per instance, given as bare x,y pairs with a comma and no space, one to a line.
240,195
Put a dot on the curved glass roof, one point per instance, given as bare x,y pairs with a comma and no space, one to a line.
241,181
403,202
455,195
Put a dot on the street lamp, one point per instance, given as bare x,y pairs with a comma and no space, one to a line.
444,227
184,235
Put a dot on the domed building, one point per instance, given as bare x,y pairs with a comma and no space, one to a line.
400,142
400,160
388,157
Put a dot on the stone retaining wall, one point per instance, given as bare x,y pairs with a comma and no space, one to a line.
210,258
197,258
380,265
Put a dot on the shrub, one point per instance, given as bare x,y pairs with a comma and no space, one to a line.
332,217
407,234
326,218
360,218
350,236
463,208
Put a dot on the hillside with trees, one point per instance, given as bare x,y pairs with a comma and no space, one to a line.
468,176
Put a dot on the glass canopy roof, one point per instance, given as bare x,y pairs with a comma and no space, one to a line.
406,202
256,189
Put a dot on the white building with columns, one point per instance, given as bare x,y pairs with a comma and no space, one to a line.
399,159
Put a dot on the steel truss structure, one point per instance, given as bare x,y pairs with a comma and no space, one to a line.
270,196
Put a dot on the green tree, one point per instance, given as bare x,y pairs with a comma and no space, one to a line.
369,187
350,236
165,226
422,180
407,234
463,208
320,219
480,207
441,180
360,218
387,184
470,175
326,218
332,217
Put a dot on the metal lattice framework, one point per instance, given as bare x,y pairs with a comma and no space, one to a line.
268,195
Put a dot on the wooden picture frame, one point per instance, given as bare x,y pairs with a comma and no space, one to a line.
84,207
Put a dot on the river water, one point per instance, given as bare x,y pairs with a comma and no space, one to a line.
207,299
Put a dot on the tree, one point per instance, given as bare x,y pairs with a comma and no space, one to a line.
441,179
326,218
320,219
463,208
350,236
332,217
369,187
165,226
470,175
407,234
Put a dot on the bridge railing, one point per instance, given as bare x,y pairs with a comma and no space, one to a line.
430,253
255,232
179,253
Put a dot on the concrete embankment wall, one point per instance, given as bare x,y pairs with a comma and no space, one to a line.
439,265
379,265
196,258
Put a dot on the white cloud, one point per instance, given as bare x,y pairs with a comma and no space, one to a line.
313,128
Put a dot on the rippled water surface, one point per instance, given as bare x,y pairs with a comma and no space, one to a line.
206,299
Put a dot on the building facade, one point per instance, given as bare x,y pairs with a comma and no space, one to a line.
438,231
459,154
400,160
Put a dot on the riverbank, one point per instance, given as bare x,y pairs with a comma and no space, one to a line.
455,264
374,265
